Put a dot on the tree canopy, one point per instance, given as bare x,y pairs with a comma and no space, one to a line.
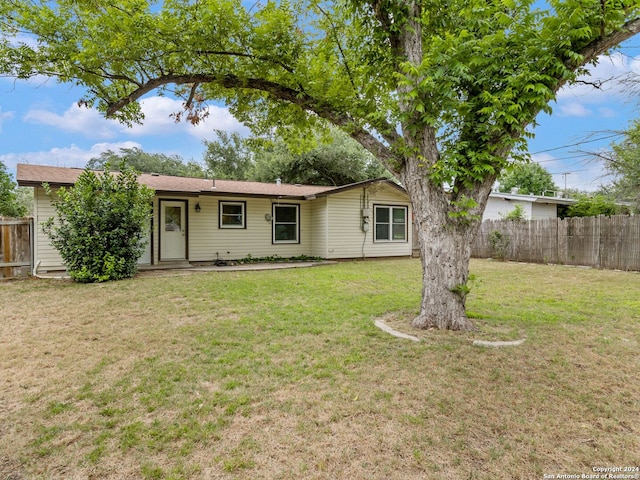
336,159
10,204
229,157
594,205
339,160
146,163
528,178
624,163
441,92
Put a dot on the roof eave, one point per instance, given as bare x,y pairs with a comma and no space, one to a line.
532,198
36,183
364,183
250,195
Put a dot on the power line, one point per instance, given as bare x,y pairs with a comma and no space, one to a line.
571,171
555,159
578,143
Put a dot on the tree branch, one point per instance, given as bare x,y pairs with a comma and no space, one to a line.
192,94
275,90
240,54
597,84
601,45
601,156
385,18
337,41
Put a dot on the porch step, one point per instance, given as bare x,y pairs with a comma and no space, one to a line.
166,266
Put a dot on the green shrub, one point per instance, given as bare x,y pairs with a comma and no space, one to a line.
593,206
101,224
499,243
515,215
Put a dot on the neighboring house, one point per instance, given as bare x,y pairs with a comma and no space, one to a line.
534,207
202,220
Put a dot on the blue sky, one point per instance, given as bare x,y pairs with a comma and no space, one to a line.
40,123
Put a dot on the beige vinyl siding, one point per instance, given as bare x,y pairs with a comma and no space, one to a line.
344,219
154,231
206,238
46,257
319,228
202,226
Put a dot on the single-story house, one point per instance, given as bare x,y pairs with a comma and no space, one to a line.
203,220
535,207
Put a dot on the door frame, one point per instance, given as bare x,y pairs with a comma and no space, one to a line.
186,227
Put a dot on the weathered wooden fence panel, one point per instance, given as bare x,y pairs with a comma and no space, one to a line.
601,242
15,247
583,242
561,242
620,242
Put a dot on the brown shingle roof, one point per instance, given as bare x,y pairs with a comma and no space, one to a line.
36,175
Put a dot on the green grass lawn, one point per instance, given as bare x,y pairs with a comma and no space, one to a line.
283,375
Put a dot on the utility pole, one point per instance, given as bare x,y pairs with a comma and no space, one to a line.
564,174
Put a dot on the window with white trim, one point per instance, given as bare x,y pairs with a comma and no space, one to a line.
232,214
390,223
286,223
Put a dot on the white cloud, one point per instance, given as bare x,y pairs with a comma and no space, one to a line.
23,39
72,156
588,179
574,109
85,121
574,100
36,80
606,112
157,117
4,116
219,119
543,158
157,121
610,70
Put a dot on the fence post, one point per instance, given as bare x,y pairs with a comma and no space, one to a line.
599,233
32,250
6,250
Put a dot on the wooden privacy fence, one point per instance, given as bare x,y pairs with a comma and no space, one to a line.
600,242
15,247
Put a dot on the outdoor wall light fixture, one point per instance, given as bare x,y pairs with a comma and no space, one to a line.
198,208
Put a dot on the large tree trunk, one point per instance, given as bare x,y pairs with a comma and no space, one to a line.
445,254
445,247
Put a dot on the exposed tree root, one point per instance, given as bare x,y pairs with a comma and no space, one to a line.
487,343
461,323
386,328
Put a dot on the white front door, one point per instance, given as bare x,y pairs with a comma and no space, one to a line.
173,230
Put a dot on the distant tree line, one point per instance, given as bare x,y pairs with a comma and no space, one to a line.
145,162
14,201
335,160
